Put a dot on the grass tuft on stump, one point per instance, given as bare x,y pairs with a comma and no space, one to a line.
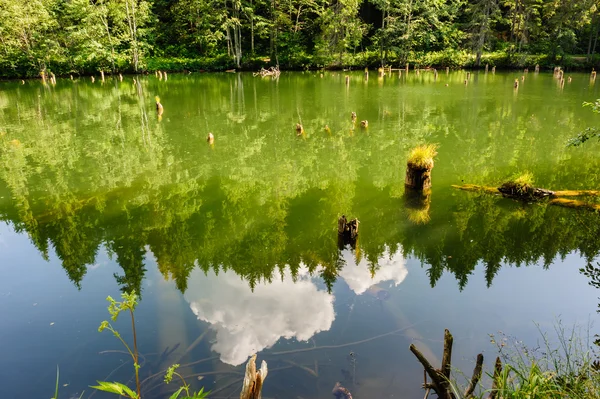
422,156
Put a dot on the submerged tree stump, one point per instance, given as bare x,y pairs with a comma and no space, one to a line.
418,177
419,166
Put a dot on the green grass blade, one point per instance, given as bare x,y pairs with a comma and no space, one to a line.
56,387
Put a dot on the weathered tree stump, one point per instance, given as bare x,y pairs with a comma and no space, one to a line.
418,177
253,380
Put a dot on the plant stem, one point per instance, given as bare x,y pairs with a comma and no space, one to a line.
135,356
185,385
116,334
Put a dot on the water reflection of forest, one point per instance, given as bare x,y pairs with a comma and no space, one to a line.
90,166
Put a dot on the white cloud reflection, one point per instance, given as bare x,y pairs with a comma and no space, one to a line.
358,277
247,322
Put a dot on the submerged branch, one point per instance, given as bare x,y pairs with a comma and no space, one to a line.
340,345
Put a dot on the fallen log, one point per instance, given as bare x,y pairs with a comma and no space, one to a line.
559,198
570,203
559,193
524,191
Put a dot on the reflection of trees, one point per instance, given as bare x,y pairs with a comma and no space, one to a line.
93,166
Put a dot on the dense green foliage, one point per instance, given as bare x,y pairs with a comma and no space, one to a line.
82,36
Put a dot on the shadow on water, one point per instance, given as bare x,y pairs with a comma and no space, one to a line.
87,168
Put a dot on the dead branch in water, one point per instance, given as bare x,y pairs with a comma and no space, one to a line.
340,345
440,378
274,72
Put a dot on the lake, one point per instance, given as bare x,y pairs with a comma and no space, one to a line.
233,247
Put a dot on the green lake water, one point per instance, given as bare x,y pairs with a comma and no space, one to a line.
234,246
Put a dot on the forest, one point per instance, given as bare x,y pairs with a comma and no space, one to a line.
131,36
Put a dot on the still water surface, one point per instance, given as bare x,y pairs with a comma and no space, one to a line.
234,246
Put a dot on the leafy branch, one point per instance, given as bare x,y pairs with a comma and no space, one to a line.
590,132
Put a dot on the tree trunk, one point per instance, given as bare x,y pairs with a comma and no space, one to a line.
131,22
589,47
228,40
482,33
251,18
595,41
382,39
237,33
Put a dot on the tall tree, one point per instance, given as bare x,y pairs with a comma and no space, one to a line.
483,14
341,28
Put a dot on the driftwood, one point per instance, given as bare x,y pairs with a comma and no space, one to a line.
440,378
253,380
274,72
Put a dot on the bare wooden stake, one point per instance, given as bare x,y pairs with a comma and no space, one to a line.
475,378
497,371
437,382
447,356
